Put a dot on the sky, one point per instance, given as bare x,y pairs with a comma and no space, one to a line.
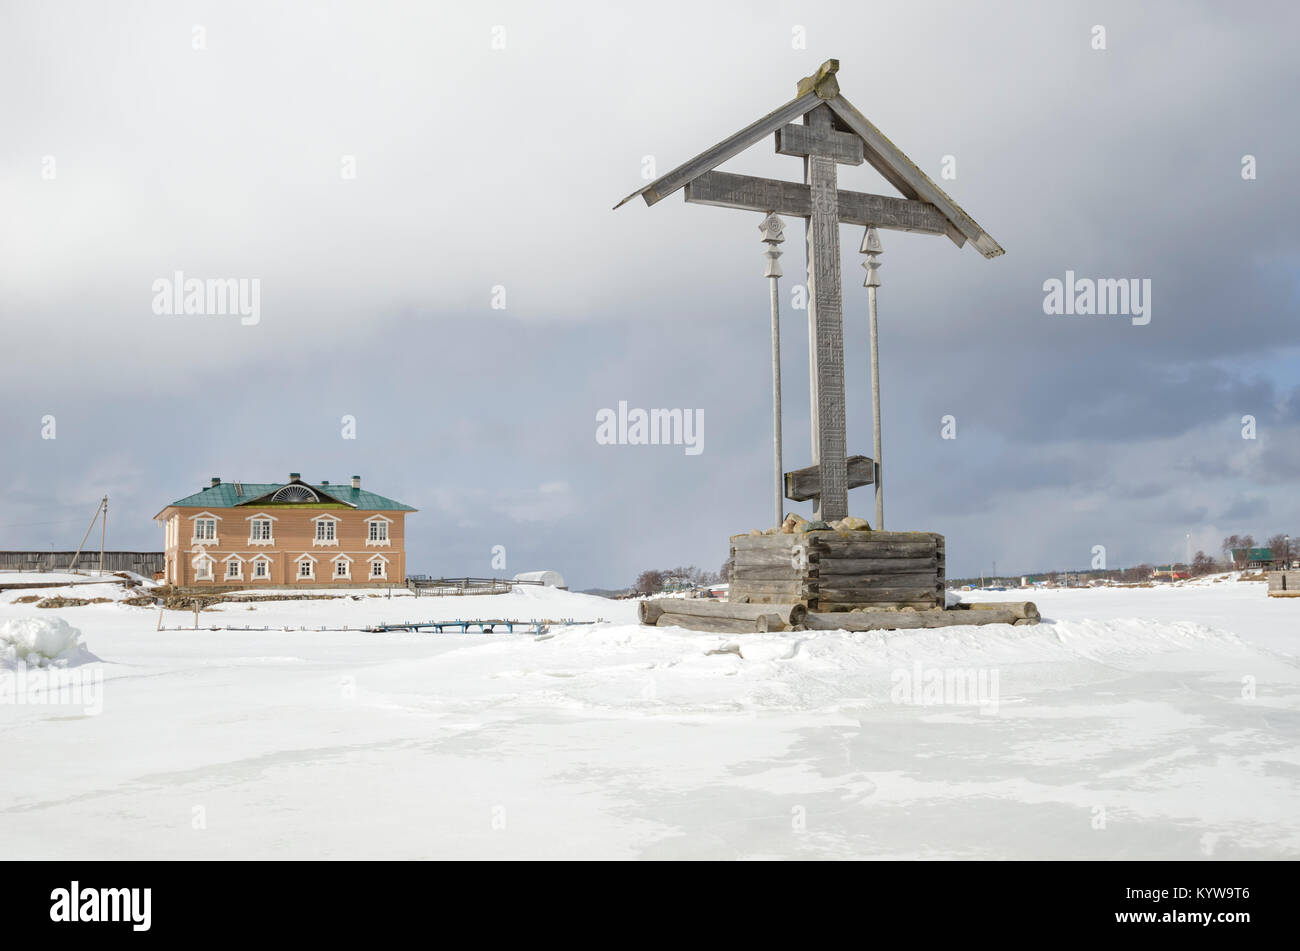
424,193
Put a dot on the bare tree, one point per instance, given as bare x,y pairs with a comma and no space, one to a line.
650,581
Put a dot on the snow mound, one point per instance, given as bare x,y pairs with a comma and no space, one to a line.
42,642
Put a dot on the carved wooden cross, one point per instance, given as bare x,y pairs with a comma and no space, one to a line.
833,133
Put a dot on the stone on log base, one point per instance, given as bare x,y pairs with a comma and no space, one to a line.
831,571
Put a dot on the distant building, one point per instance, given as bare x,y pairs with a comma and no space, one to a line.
1253,557
245,534
1170,573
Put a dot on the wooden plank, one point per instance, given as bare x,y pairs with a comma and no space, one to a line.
857,537
844,566
917,593
753,542
901,172
858,581
801,140
749,193
904,620
764,558
847,549
804,484
826,319
767,573
733,145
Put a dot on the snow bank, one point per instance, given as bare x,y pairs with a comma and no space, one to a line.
42,642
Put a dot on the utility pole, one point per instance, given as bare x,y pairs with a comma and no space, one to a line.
103,534
101,508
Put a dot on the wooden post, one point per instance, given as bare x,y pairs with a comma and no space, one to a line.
822,147
103,534
773,230
871,248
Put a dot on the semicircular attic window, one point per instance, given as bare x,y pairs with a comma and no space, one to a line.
295,493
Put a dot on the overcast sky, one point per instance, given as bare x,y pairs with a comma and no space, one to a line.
478,167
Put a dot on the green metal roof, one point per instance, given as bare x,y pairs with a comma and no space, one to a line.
1253,554
222,496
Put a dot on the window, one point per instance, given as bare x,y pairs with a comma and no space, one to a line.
295,492
327,529
203,570
378,568
340,569
260,531
260,569
234,569
378,531
304,569
205,529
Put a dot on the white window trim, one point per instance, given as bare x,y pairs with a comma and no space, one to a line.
386,542
325,542
261,560
237,562
347,564
376,560
210,562
297,570
216,529
261,517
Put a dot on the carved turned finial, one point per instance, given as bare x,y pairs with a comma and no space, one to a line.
871,247
823,81
773,229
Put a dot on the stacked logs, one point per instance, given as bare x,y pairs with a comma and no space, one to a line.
839,570
729,618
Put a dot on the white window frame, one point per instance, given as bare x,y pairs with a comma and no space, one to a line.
194,529
373,526
233,561
259,562
310,562
341,561
377,561
203,568
319,520
258,519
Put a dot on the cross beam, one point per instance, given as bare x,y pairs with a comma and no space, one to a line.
804,484
725,190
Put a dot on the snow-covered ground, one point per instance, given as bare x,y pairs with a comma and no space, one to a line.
1133,723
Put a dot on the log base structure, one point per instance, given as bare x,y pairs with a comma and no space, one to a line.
831,581
840,571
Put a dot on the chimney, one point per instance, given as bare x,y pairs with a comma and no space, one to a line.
356,482
216,481
295,476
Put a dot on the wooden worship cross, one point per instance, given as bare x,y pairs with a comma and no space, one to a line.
832,133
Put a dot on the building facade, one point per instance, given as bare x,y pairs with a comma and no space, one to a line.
288,534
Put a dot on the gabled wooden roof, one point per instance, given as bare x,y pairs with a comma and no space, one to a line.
885,157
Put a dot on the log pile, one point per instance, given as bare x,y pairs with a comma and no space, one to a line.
830,570
729,618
